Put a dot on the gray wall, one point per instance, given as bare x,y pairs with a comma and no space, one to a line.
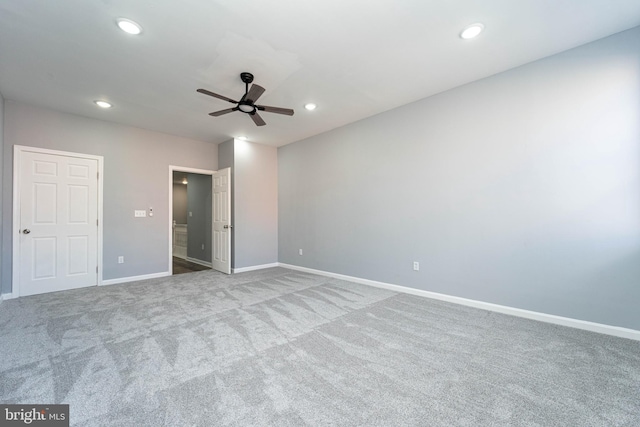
1,177
136,168
255,178
225,155
254,201
521,189
199,217
180,203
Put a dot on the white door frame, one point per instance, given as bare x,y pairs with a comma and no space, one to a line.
172,169
17,156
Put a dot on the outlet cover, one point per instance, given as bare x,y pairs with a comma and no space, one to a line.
299,251
120,260
416,266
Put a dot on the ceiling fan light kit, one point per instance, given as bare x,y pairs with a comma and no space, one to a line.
247,103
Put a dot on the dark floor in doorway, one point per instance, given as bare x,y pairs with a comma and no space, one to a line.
181,266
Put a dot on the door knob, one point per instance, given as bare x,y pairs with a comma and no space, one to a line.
228,226
26,231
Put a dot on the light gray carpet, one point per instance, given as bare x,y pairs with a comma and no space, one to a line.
284,348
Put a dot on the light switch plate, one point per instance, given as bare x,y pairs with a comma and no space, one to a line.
140,214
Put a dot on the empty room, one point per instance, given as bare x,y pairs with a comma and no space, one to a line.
294,213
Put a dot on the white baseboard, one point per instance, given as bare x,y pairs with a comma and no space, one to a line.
7,296
134,278
255,267
199,262
527,314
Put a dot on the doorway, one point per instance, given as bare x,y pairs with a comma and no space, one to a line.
192,209
195,206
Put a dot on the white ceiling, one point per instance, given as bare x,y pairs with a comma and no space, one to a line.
354,58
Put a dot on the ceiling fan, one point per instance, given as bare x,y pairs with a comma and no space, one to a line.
247,103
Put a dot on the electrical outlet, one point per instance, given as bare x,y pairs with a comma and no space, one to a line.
299,251
203,246
416,266
120,260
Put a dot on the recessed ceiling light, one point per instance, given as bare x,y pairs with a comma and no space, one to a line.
102,104
129,26
471,31
310,106
242,138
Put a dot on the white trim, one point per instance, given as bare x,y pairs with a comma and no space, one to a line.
8,296
600,328
256,267
17,153
134,278
173,168
199,262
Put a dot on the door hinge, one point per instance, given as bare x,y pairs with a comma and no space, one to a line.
98,175
96,269
96,222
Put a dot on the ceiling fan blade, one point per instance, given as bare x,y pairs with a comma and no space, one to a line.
257,119
277,110
254,93
221,112
215,95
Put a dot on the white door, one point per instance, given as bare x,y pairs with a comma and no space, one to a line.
222,220
58,199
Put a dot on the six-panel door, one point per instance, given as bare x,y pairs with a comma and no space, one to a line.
222,221
58,223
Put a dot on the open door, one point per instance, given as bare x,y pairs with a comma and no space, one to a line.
222,220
